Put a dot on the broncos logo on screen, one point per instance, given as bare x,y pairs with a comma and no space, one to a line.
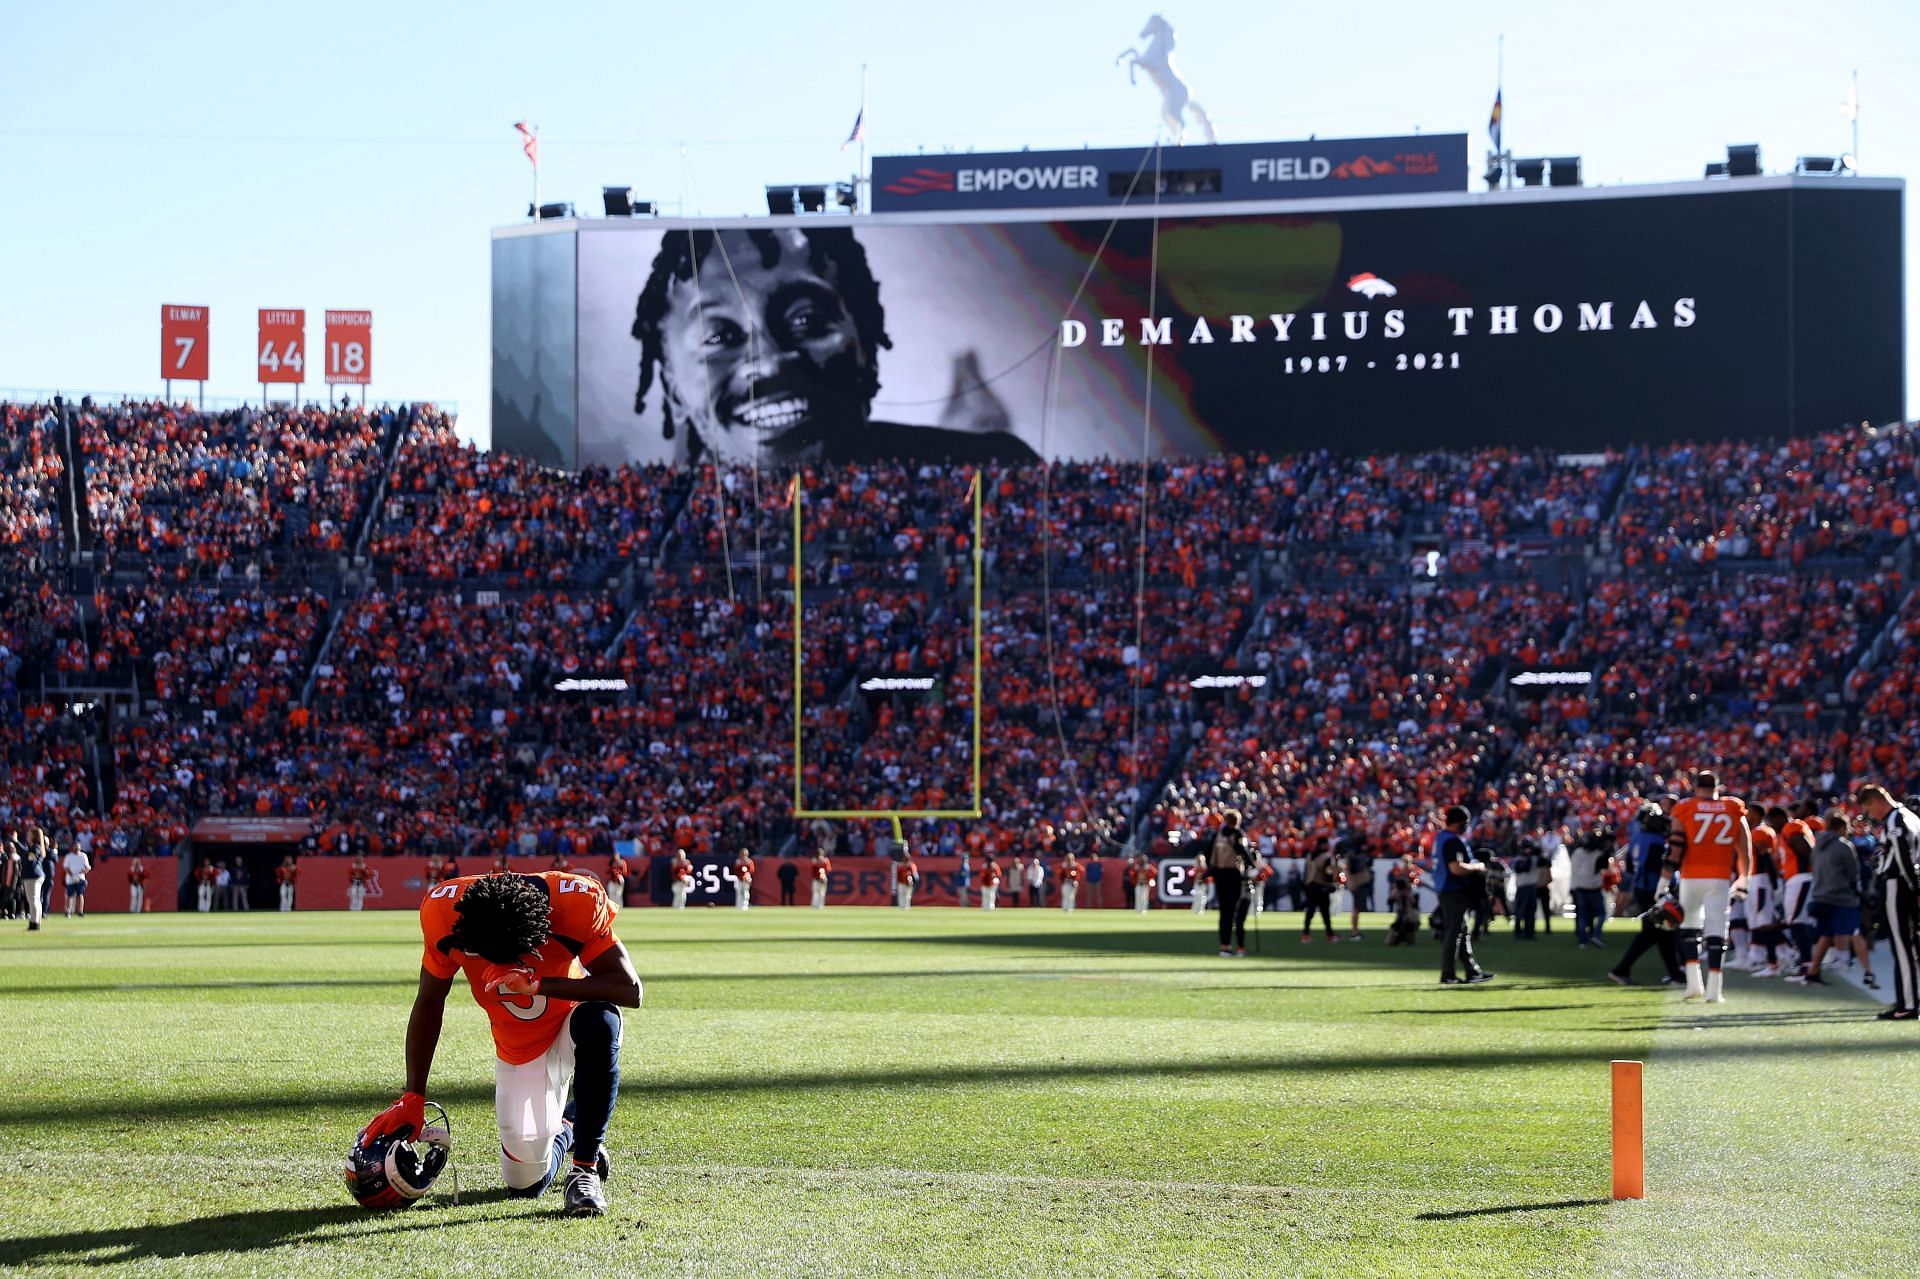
1369,285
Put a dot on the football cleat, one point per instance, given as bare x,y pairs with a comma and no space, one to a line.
394,1170
585,1197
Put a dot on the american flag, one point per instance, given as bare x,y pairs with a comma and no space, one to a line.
532,144
859,131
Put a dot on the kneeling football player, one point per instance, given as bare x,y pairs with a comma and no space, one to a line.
541,958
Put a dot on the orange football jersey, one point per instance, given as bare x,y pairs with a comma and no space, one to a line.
1712,829
524,1026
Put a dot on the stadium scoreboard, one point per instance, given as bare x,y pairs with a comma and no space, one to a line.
1574,319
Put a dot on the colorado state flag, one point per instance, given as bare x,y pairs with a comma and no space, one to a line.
1493,121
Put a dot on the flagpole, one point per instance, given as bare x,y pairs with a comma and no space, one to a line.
1500,96
536,173
1855,113
860,184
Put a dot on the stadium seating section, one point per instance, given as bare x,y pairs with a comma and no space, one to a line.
352,616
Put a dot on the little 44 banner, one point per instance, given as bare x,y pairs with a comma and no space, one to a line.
283,346
349,348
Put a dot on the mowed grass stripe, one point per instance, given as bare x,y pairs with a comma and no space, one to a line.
870,1092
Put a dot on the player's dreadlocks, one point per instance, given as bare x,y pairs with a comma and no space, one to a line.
502,917
832,251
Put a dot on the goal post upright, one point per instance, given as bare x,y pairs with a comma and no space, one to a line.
894,815
978,564
794,501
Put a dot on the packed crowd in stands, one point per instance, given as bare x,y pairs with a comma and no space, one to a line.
172,489
1487,495
455,513
1742,606
1665,649
1840,493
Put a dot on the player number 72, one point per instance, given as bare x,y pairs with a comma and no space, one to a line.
1705,822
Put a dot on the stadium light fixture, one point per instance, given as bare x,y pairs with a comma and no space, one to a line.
813,199
1532,173
1743,161
782,200
618,201
1716,169
547,212
1822,164
1563,171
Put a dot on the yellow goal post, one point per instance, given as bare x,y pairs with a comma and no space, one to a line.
895,815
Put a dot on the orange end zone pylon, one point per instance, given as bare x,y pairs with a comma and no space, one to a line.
1629,1133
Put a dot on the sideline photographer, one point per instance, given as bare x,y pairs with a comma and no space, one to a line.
1647,847
1458,878
1230,859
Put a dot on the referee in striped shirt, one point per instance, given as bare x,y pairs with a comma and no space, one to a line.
1898,873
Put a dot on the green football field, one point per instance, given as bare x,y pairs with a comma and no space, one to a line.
864,1092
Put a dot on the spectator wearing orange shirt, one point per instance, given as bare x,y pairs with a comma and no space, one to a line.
136,886
743,880
1202,880
680,872
817,873
1071,875
615,882
1140,879
905,875
359,875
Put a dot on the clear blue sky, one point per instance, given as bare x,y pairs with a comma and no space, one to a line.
355,154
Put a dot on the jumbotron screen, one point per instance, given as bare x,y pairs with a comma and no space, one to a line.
1569,319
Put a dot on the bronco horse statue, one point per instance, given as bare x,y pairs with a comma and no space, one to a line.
1157,61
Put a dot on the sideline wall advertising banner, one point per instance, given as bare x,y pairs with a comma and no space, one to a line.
1573,321
400,883
109,894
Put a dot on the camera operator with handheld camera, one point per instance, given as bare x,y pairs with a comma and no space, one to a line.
1647,839
1460,880
1230,860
